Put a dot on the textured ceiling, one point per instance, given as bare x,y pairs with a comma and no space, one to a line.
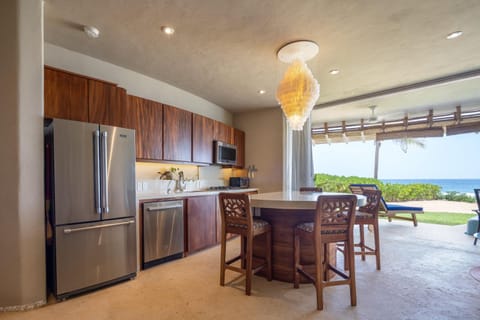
225,50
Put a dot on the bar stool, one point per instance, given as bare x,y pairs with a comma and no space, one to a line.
368,215
334,219
237,219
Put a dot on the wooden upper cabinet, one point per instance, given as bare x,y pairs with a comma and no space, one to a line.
66,95
239,141
106,103
202,139
222,132
177,134
145,116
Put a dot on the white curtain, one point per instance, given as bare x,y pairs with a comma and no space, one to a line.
298,159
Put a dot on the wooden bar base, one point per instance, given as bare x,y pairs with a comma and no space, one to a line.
283,222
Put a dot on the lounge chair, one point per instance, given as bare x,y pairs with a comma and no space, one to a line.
477,234
388,210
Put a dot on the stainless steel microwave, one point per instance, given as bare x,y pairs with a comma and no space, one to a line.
225,153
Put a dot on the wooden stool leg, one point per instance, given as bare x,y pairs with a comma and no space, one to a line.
352,283
414,218
325,262
249,258
320,272
243,241
223,250
376,235
268,254
362,241
296,259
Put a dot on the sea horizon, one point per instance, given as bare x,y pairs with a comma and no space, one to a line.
447,184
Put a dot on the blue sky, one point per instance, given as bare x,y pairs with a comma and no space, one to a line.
453,157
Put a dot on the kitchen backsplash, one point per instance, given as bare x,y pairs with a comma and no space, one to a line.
196,177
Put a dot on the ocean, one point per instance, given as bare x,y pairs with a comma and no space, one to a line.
458,185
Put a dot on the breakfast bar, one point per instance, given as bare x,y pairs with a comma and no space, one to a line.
284,210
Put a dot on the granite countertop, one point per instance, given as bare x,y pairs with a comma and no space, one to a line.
188,194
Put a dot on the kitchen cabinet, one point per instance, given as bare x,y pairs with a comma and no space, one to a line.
75,97
239,141
222,132
65,95
106,103
146,117
177,134
202,139
201,223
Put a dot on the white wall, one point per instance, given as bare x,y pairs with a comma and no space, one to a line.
135,83
22,227
263,146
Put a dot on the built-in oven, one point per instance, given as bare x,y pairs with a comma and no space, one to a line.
163,231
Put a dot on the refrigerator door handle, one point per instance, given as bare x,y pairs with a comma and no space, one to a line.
67,231
104,172
96,173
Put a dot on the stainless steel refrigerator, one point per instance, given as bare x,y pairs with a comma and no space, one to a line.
90,192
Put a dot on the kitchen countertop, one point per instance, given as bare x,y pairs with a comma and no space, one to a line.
294,200
188,194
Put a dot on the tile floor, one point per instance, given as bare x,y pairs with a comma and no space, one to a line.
425,275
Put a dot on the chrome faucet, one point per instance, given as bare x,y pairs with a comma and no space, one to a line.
180,183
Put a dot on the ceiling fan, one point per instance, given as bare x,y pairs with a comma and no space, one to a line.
373,117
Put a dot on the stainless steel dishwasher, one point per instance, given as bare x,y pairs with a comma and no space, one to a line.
162,232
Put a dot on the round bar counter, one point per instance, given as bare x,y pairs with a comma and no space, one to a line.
284,210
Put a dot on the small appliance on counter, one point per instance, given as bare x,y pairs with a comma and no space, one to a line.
239,182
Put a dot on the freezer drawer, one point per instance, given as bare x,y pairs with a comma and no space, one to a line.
93,254
162,231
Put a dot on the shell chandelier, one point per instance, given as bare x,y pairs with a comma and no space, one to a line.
298,90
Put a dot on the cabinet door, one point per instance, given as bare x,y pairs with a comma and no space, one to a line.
201,223
239,141
202,139
66,95
145,116
106,103
177,134
223,132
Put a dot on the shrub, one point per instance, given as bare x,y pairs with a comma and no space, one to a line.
456,196
390,191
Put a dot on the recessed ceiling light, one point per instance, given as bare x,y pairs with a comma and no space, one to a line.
91,32
454,35
262,91
334,71
167,30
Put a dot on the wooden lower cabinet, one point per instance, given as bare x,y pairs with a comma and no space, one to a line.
201,223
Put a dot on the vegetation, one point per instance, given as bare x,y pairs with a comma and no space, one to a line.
390,191
445,218
455,196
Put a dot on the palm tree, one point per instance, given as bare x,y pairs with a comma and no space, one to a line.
406,142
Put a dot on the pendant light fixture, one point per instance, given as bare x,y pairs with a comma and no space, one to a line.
298,90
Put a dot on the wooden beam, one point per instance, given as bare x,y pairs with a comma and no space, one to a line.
415,133
463,128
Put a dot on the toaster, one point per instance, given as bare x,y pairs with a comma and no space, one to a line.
239,182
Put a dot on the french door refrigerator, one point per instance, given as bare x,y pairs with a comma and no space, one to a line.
90,192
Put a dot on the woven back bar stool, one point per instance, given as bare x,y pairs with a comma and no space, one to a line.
237,219
368,215
334,219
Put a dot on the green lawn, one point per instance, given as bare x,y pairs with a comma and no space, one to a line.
446,218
